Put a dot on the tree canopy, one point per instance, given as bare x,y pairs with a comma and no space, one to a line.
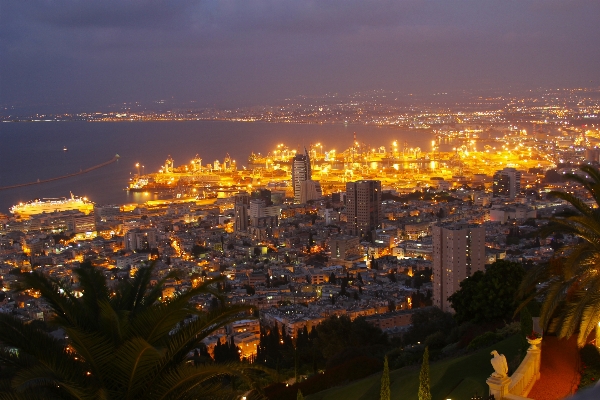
339,333
490,295
427,321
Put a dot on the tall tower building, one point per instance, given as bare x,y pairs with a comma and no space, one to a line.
507,183
363,206
300,173
241,205
458,251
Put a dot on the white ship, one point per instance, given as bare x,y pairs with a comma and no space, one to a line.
40,206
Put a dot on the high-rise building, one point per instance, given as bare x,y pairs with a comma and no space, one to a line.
458,251
310,190
344,246
240,208
507,183
140,239
257,208
260,214
264,194
363,206
300,173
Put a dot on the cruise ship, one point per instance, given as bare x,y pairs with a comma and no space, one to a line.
40,206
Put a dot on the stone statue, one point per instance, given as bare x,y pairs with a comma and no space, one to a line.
500,365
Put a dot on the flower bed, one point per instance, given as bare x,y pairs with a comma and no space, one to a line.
590,365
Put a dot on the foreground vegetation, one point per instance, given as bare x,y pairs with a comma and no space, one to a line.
569,307
457,378
120,344
346,351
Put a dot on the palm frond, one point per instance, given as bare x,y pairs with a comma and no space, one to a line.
154,324
95,349
590,318
128,345
36,378
112,321
58,296
134,366
95,289
577,203
187,379
188,337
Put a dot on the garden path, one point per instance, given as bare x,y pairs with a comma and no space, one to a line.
559,369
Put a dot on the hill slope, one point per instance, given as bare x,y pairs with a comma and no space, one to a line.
456,378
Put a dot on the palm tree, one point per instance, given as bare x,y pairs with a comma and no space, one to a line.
570,286
125,344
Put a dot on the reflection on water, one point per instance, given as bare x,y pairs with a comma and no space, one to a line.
142,197
32,151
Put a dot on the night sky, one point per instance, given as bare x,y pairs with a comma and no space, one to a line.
90,53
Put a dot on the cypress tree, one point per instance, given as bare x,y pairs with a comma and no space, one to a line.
385,393
196,358
526,328
233,353
424,389
218,352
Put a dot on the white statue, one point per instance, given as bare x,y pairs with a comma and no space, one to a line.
499,364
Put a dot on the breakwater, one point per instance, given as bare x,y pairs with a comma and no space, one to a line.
81,172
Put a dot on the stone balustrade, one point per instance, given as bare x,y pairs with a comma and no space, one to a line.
520,383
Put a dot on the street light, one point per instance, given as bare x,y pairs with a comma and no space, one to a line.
137,165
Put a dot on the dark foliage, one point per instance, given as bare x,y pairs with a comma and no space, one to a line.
428,321
490,295
590,365
354,369
484,340
121,344
338,333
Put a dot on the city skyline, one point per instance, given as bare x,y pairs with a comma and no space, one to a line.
308,189
76,55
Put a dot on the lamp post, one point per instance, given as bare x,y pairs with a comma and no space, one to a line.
137,165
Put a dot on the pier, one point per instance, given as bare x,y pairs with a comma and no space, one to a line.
81,172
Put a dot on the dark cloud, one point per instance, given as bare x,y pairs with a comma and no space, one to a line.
126,15
98,51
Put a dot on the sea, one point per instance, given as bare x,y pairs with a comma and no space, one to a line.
32,151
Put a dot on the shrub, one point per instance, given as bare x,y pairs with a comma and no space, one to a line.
484,340
590,355
408,356
450,349
357,368
509,329
436,340
458,332
590,365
